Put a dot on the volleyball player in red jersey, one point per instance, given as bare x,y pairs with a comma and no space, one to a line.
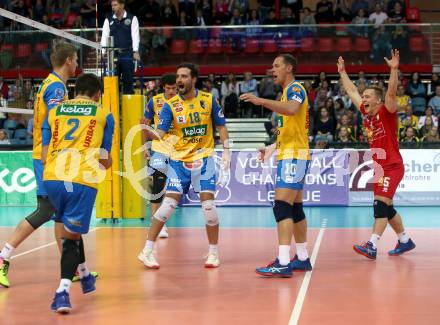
380,121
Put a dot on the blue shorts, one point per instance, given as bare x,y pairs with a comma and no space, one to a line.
38,170
74,208
291,173
201,174
158,161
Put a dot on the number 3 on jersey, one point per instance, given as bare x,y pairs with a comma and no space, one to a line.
74,122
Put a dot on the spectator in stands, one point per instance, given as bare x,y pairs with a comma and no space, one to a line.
211,89
307,19
290,18
4,88
324,126
78,23
403,100
30,128
397,15
321,78
361,20
339,109
15,92
428,113
264,8
200,21
324,12
150,13
410,135
4,137
432,135
320,100
253,20
230,91
434,102
75,7
344,135
378,17
272,18
248,85
342,94
391,7
168,15
267,87
311,92
435,81
88,13
342,10
330,105
357,5
418,92
361,79
407,120
19,7
207,10
399,40
189,7
38,11
236,18
241,5
221,12
381,44
345,122
424,130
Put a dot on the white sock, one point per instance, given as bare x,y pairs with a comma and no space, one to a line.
374,239
64,285
403,237
284,254
83,270
6,251
149,244
213,249
301,251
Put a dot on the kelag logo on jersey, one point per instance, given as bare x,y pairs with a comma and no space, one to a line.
194,131
76,110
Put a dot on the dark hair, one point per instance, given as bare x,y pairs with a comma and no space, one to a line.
168,79
87,84
377,90
60,52
194,69
121,2
289,59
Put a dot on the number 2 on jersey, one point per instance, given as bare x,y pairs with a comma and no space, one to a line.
75,124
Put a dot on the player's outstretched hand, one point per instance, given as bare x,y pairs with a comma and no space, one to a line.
341,65
393,63
251,98
266,152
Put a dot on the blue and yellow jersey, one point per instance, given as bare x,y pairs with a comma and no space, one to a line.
193,121
293,137
51,93
74,132
152,112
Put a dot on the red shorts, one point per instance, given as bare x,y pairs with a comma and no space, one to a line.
387,184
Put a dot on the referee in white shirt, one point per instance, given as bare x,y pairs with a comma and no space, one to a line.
124,27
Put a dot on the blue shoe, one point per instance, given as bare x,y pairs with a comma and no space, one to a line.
402,248
61,303
300,266
366,249
275,270
88,283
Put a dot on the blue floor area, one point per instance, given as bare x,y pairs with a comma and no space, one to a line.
258,217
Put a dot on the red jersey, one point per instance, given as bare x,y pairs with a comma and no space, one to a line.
382,134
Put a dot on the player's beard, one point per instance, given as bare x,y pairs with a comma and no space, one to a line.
185,90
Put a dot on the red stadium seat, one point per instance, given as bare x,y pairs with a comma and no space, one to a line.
307,45
196,47
363,45
167,31
40,47
417,44
270,46
344,45
70,20
287,45
23,50
252,46
215,32
178,46
7,47
413,15
325,44
214,46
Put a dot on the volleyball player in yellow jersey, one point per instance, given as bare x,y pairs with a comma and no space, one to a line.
52,92
77,138
158,159
293,160
193,114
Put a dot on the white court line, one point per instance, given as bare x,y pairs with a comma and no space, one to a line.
43,246
306,281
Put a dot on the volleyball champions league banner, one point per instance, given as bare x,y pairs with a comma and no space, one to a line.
253,183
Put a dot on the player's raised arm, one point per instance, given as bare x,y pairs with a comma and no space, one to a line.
284,108
348,85
390,97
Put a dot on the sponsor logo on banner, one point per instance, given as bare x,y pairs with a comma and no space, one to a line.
76,110
195,131
180,119
21,180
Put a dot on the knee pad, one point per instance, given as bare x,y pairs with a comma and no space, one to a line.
42,214
381,209
392,212
159,181
210,213
282,210
298,212
166,209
